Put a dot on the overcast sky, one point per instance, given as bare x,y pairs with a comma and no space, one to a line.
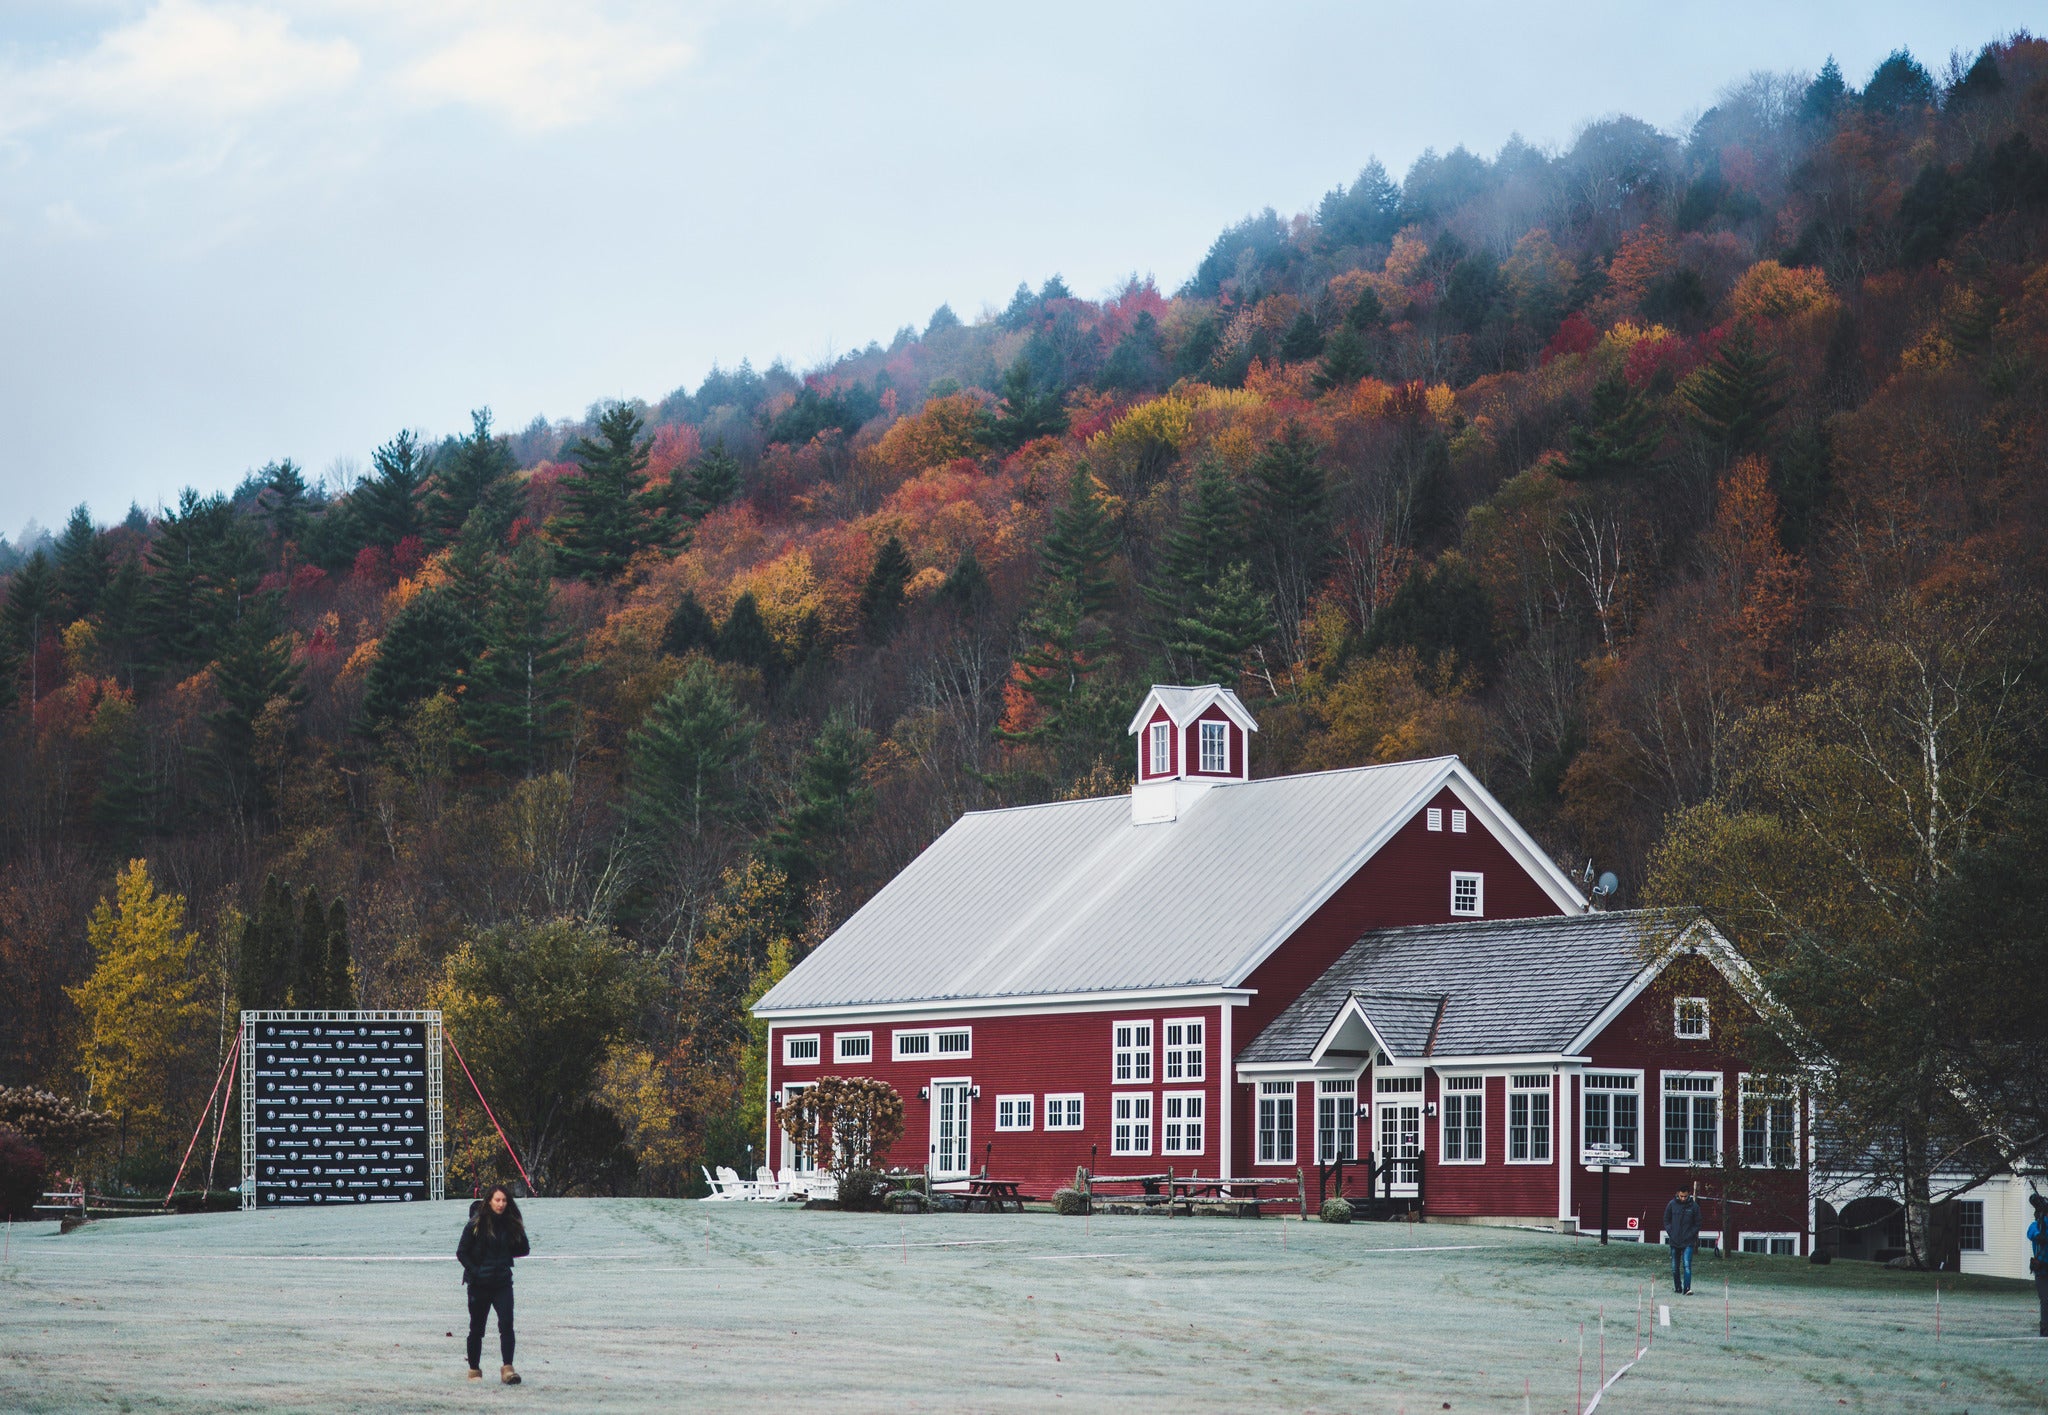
233,232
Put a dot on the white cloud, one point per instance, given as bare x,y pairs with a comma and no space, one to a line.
546,71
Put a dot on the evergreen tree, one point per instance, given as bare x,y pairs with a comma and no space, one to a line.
1619,437
1208,538
609,515
387,505
1138,362
1825,95
690,628
118,620
473,478
266,955
123,806
831,797
310,979
744,639
424,650
714,479
1732,399
202,561
31,616
882,597
1228,619
83,566
284,488
1347,357
341,981
254,669
1302,341
1442,610
1292,541
1026,412
967,590
1077,547
689,764
515,696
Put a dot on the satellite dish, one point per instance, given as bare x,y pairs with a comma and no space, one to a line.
1608,884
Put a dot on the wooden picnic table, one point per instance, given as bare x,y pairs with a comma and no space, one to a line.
995,1193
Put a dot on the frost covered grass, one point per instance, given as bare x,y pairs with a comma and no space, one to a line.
646,1304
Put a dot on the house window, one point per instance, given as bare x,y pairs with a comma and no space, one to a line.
1131,1051
1180,1123
1777,1245
1162,749
1433,819
1215,747
1529,1119
1464,1122
800,1051
1970,1225
1397,1085
913,1046
1063,1112
1458,820
1013,1112
1183,1058
1276,1122
1336,1121
1689,1018
959,1042
1692,1117
1610,1112
1131,1130
854,1046
1468,893
1770,1124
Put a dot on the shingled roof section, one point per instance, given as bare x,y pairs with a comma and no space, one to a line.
1509,986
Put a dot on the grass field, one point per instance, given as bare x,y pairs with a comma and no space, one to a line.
644,1304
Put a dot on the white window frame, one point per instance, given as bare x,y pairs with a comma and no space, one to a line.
1433,818
1271,1095
1587,1091
945,1053
1750,1235
1159,738
840,1039
1341,1136
1131,1120
1130,1063
1221,739
1664,1096
1478,909
790,1039
1181,1059
929,1052
1179,1113
799,1159
1982,1236
1748,1093
1027,1104
1531,1086
1469,1091
1057,1105
1459,822
1679,1007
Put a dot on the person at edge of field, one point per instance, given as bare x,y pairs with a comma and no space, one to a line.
493,1237
1682,1234
2037,1263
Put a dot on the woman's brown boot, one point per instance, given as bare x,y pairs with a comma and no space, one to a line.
509,1376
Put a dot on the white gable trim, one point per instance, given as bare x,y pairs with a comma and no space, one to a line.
1508,831
1351,1006
1197,701
1701,938
1121,999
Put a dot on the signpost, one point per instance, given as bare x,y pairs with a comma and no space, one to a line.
341,1108
1608,1158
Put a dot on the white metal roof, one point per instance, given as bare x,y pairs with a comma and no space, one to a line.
1072,897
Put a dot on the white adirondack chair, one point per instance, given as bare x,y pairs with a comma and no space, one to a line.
767,1188
735,1186
720,1193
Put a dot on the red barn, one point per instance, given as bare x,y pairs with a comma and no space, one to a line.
1237,976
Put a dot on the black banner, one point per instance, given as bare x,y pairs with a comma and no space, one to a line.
341,1112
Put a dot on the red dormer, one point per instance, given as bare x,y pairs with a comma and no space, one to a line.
1188,740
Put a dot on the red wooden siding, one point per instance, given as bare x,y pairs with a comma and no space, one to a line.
1191,744
1145,772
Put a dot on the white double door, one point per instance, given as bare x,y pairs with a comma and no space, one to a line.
1400,1147
952,1139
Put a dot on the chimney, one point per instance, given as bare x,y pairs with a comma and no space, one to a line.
1188,740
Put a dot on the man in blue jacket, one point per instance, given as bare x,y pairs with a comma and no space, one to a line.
2037,1261
1682,1234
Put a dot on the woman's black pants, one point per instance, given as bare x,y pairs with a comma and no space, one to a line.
481,1300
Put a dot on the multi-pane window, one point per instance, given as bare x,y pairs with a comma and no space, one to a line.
1215,747
1692,1117
1611,1113
1013,1112
1770,1124
1183,1058
1467,893
1778,1245
1161,737
1689,1018
1180,1122
956,1043
855,1046
1529,1119
1130,1131
800,1050
1464,1119
1970,1225
1397,1085
911,1046
1458,822
1131,1051
1336,1117
1063,1112
1399,1100
1276,1122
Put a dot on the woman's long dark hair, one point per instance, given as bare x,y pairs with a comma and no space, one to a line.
509,1222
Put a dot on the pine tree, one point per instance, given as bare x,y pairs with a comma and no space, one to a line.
387,505
1302,341
202,562
1291,536
690,628
341,981
31,616
881,598
284,488
688,772
119,620
123,808
744,639
1206,539
473,478
1618,438
83,566
254,668
1027,412
266,959
609,515
714,479
1346,358
831,797
1077,548
1138,362
424,650
1732,399
515,696
1228,620
309,949
967,590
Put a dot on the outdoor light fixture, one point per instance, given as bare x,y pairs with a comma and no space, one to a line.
974,1093
1430,1109
924,1093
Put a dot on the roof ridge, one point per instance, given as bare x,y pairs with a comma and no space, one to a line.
1220,786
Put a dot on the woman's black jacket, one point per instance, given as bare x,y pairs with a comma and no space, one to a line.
487,1249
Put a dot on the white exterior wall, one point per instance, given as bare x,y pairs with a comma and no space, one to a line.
2006,1216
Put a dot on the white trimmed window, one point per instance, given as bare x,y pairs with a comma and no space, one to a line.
1468,893
800,1050
853,1046
1529,1119
1161,738
1130,1051
1183,1059
1276,1122
1692,1117
1611,1112
956,1042
1464,1120
1776,1245
913,1046
1336,1121
1433,818
1770,1124
1689,1019
1181,1114
1458,822
1063,1112
1130,1131
1970,1225
1013,1112
1215,746
1397,1085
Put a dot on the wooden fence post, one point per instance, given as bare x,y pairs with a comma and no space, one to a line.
1301,1192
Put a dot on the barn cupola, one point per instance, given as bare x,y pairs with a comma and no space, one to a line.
1189,739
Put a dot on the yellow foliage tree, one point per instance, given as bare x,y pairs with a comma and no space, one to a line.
1768,290
942,430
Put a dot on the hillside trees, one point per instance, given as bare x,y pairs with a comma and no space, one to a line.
609,513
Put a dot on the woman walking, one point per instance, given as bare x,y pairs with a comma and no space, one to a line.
492,1238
